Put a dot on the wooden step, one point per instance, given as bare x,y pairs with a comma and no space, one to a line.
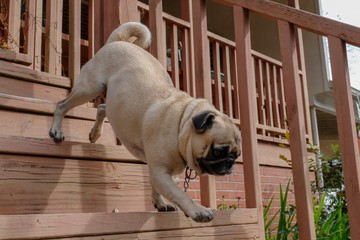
35,105
67,149
30,125
229,224
34,185
21,72
15,57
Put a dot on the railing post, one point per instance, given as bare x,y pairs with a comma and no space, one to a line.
74,39
156,25
248,118
203,84
301,61
296,122
347,131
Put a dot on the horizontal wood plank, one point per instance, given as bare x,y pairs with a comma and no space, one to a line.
34,105
306,20
35,185
27,125
21,72
246,231
76,225
15,57
28,89
67,149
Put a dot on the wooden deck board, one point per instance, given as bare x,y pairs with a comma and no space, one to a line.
174,224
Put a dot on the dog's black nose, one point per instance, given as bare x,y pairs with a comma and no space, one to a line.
230,161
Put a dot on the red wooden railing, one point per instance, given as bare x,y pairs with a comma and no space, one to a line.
271,104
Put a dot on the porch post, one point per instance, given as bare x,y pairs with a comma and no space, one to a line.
347,131
248,118
296,122
203,84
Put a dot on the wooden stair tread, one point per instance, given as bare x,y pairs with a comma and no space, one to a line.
35,226
76,150
42,106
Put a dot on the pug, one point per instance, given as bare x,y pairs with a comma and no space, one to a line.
157,123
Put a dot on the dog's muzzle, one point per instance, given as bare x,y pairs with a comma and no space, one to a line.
218,162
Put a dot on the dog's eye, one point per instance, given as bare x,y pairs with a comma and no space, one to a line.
220,152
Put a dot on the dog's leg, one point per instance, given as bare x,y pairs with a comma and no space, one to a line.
84,91
165,185
97,129
160,203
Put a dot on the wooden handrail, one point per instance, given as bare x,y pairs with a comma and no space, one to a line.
308,21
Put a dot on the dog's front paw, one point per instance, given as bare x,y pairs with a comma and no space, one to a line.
202,214
56,135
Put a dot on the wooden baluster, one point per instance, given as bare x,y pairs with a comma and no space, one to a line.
275,101
14,25
247,97
259,73
186,62
227,82
53,37
268,100
91,29
282,100
128,11
217,77
158,43
295,116
234,82
188,47
29,29
347,131
37,63
74,39
174,46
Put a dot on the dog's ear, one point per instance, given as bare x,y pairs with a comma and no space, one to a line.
203,121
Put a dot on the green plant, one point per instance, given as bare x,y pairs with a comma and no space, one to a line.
286,227
333,225
331,222
224,206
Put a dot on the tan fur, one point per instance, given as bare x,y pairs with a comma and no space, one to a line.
151,118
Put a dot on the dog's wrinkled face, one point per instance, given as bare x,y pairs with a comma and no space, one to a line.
219,144
219,161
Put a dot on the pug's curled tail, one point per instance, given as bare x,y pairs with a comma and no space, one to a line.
131,29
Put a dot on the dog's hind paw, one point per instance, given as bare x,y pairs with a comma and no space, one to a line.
94,135
166,208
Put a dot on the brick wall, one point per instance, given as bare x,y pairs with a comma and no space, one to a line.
230,189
